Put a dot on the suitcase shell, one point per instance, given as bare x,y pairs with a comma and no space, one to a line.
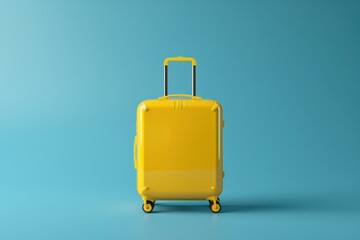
178,148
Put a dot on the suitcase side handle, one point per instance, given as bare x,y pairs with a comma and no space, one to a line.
179,59
135,152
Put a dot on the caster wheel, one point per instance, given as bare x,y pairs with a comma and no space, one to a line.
210,201
148,207
215,207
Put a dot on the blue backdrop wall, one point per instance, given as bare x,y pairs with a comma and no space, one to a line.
73,72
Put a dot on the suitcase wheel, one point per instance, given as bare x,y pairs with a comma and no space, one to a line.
215,207
148,207
218,199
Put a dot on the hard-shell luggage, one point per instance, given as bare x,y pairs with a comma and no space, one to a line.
178,147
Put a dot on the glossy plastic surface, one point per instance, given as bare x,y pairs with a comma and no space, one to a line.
178,148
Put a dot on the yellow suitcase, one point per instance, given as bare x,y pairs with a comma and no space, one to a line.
178,147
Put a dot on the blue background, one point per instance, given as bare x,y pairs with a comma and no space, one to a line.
286,72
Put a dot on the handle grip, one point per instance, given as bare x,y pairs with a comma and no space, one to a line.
180,59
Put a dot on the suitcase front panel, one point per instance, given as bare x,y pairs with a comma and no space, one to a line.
179,149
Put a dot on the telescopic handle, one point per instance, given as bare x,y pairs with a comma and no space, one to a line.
179,59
